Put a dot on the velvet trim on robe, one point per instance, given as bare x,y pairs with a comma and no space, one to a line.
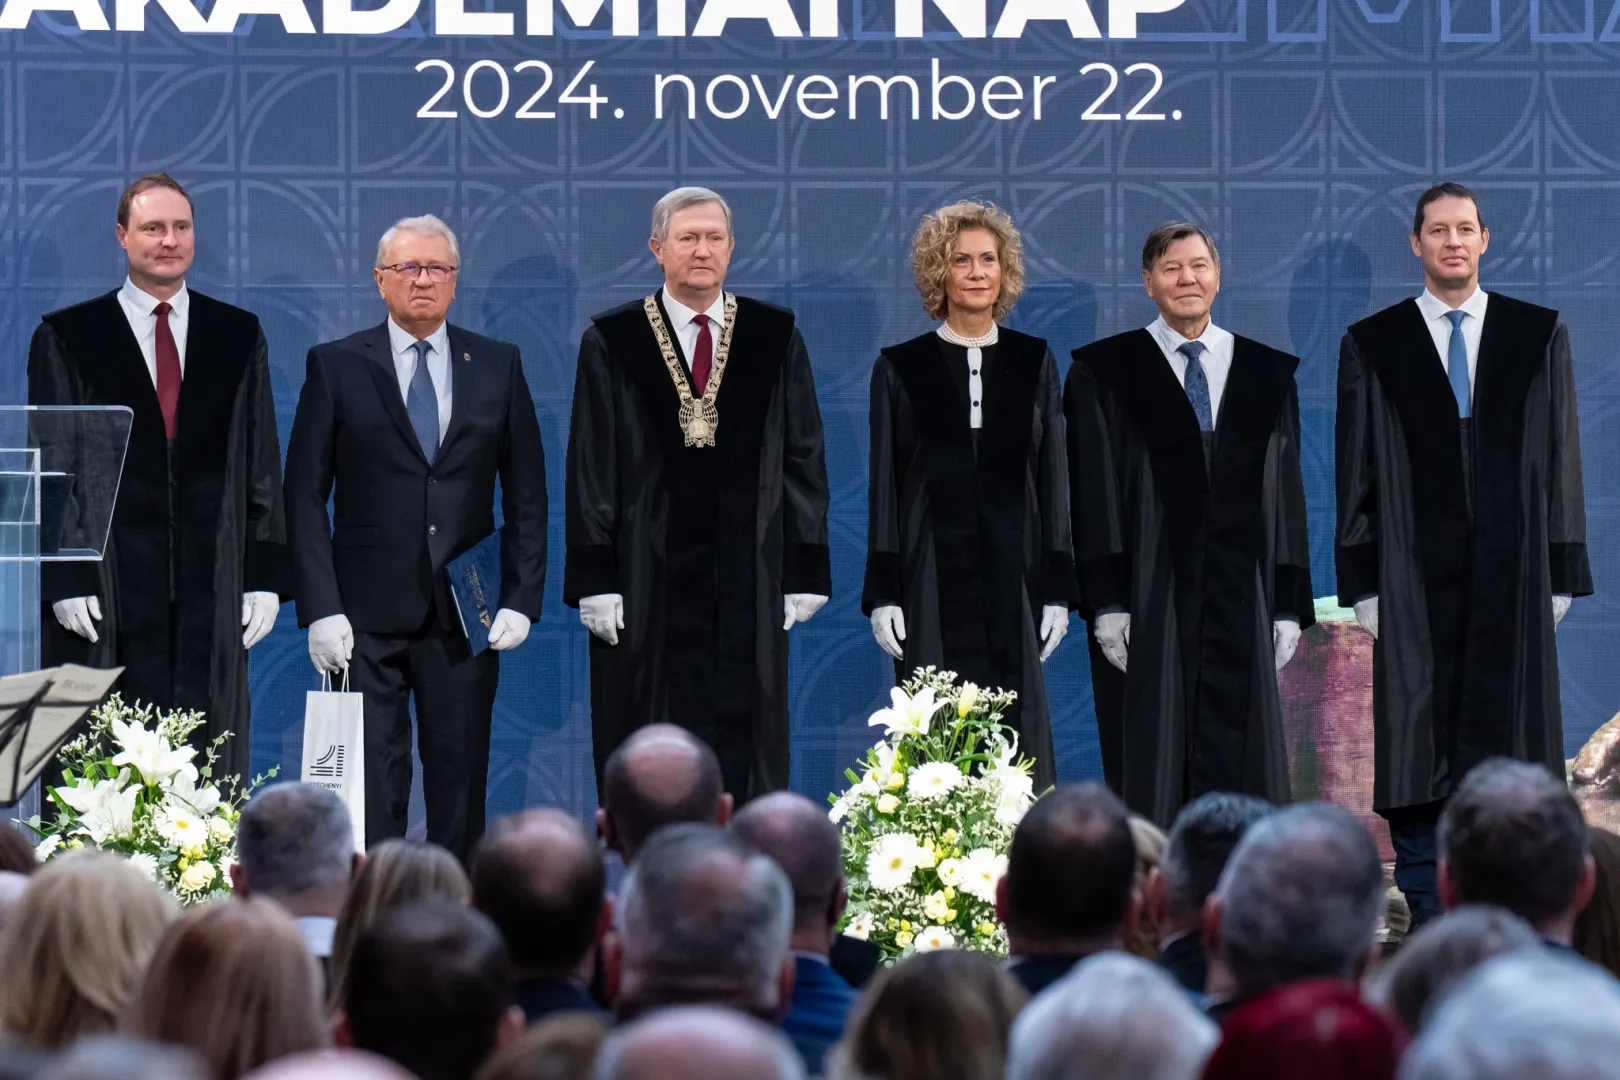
702,543
185,651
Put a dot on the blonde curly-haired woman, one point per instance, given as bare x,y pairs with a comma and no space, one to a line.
969,566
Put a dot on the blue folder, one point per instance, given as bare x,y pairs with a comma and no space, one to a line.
475,586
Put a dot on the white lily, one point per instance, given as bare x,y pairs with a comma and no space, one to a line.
150,754
907,715
106,808
182,788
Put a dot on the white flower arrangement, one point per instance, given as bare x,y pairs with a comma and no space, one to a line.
132,786
927,823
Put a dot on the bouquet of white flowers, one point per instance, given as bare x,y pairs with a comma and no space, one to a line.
927,825
131,786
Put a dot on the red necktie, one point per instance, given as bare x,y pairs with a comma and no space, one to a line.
168,371
703,360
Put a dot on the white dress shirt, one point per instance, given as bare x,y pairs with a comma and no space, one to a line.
317,932
1217,358
1473,328
683,324
139,309
438,362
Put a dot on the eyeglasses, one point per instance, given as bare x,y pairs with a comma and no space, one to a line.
436,272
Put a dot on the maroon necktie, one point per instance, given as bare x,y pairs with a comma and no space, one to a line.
703,358
168,371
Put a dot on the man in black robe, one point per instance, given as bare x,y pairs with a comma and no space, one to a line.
697,516
1190,535
196,562
1461,528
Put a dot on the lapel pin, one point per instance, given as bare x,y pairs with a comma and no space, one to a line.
466,358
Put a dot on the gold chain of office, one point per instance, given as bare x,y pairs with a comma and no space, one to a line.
699,419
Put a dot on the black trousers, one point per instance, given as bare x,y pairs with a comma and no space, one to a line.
455,697
1412,833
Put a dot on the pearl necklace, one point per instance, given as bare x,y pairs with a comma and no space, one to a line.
983,342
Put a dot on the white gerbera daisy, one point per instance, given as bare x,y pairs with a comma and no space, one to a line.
933,780
861,926
892,861
982,870
935,937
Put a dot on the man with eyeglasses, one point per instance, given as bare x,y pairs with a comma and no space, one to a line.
196,563
413,421
697,515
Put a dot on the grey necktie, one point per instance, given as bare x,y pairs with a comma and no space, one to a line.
422,404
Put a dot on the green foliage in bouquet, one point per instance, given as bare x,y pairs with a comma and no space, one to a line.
927,823
131,786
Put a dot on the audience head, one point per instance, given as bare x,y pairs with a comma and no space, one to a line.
1529,1014
75,946
1513,836
395,873
794,833
698,1043
1200,842
942,1015
1149,839
430,989
539,877
110,1057
706,920
1300,899
1597,930
1113,1017
234,981
1308,1031
16,853
561,1048
332,1065
661,775
1069,886
1441,954
295,845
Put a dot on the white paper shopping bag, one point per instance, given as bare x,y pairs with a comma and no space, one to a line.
335,748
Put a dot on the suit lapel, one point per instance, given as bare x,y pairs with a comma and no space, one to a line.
461,364
125,364
379,353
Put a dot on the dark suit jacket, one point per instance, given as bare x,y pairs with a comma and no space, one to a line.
543,997
821,1003
855,960
398,518
1036,973
1184,959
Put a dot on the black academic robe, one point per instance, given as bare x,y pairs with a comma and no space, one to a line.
1465,666
702,542
1203,553
967,531
172,580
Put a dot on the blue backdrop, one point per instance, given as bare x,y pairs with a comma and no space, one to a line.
1299,130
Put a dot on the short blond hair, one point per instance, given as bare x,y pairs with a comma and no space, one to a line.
75,945
935,240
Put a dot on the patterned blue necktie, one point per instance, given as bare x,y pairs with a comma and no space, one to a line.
1197,385
422,404
1457,363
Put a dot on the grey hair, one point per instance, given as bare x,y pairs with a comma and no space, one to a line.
424,225
1527,1014
294,839
1114,1017
1301,898
1200,843
684,199
720,1028
702,907
1160,239
1442,954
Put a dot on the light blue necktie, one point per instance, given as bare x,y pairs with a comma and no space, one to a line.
422,404
1198,385
1457,363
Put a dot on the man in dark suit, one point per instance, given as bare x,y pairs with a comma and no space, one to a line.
196,563
1070,887
414,420
538,875
795,833
1200,842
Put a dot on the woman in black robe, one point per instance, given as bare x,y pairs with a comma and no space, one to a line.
969,567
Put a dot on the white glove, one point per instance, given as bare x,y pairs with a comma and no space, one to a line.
259,610
798,607
1561,602
508,630
1113,633
889,627
1054,625
1367,614
603,616
80,615
331,643
1285,639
